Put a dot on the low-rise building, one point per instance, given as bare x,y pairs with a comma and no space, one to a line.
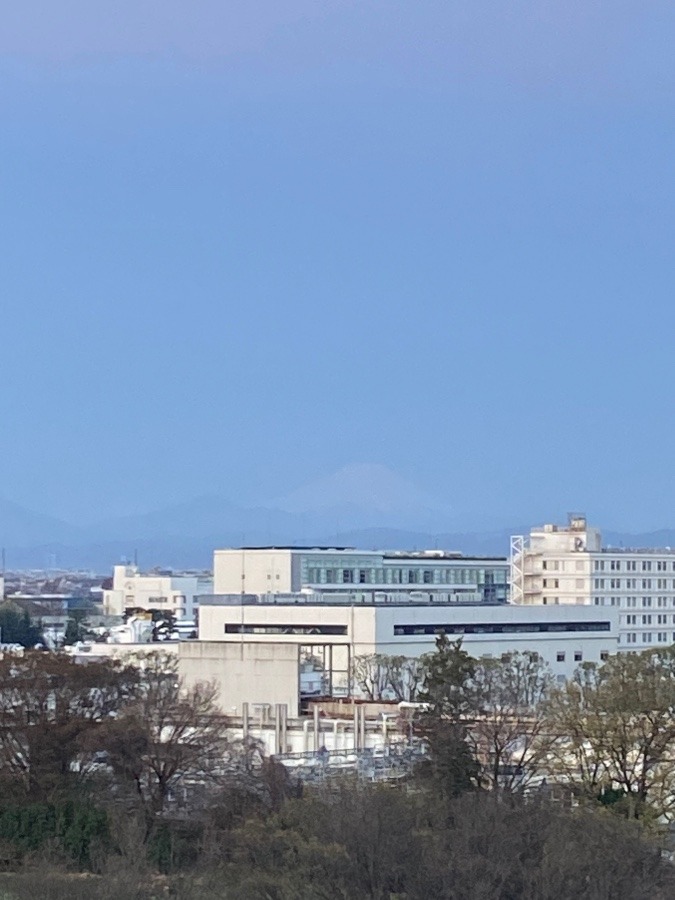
298,646
166,591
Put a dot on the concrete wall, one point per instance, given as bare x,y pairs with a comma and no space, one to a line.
253,672
252,571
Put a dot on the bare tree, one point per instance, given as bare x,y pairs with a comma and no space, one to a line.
49,708
406,676
615,730
383,677
509,723
169,738
371,673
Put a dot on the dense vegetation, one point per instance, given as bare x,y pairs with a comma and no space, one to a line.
116,783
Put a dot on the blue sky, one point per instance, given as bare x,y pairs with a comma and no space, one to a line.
247,243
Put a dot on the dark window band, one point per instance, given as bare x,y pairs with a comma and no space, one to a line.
503,628
285,629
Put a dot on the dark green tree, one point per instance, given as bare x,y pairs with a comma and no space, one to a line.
16,627
448,693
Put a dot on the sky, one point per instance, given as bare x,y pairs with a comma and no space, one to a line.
247,243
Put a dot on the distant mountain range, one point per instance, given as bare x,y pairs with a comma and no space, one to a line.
363,505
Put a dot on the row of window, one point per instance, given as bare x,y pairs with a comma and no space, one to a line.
631,565
237,628
628,584
648,637
393,575
615,565
501,628
660,619
404,630
633,602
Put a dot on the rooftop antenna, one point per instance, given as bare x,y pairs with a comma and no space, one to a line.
3,561
136,557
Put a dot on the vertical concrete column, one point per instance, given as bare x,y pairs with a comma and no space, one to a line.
244,720
284,727
316,729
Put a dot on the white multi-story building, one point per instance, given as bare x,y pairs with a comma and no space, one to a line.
446,575
173,593
562,636
567,565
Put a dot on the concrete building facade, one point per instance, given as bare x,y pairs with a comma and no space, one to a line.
174,593
567,565
328,634
449,575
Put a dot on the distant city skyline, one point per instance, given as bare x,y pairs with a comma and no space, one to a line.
247,246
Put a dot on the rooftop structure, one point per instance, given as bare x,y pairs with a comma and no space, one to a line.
567,565
271,570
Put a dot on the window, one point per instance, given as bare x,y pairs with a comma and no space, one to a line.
412,576
362,576
646,566
615,565
661,620
631,565
662,637
237,628
501,628
646,620
599,582
578,656
604,655
347,576
631,638
646,583
646,601
560,656
615,583
647,637
428,576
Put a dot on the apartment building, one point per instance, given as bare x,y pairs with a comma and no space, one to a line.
564,565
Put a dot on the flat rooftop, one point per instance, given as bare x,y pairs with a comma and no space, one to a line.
416,555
